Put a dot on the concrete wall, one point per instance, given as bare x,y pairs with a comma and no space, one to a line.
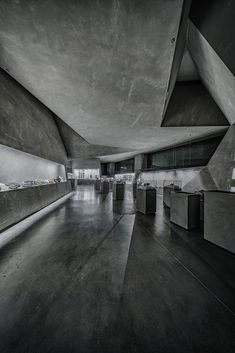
215,21
192,105
81,163
219,174
17,166
15,205
26,124
215,75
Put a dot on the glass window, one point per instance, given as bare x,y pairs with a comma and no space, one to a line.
104,168
194,154
126,166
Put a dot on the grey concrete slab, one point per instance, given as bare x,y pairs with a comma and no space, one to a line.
109,88
79,148
192,105
188,70
219,219
216,26
118,191
185,210
98,284
146,200
222,163
167,190
26,124
98,66
15,205
216,76
181,316
219,173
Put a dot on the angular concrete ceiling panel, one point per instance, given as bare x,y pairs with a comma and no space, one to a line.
219,173
101,66
179,51
215,21
192,105
187,71
216,76
78,147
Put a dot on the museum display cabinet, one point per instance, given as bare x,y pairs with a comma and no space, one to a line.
219,219
118,190
185,210
146,199
167,190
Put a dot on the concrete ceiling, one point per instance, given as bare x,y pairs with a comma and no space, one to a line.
188,70
104,67
216,76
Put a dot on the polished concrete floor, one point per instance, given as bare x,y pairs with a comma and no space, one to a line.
93,276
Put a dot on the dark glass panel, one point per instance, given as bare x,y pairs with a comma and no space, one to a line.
193,154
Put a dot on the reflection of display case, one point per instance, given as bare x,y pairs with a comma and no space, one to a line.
104,187
134,189
118,190
111,184
97,184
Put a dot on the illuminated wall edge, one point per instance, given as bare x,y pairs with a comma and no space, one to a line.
17,166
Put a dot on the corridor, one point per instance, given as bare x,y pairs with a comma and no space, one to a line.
94,276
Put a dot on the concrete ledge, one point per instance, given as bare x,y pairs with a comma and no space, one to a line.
16,205
12,232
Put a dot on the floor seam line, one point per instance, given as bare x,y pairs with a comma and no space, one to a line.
99,245
124,276
197,279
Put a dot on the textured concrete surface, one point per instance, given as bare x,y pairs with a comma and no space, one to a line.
187,71
219,223
93,278
165,137
219,173
26,124
14,231
80,163
179,51
103,67
185,210
78,148
217,27
192,105
15,205
222,163
202,181
216,76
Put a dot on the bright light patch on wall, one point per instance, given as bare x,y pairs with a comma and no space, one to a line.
232,188
17,166
86,173
128,178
